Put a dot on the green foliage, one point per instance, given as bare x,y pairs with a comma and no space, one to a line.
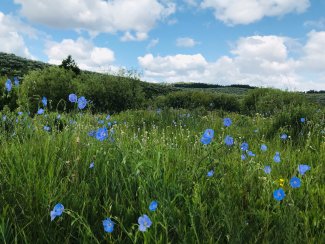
12,65
162,161
8,99
110,93
70,64
196,99
54,83
269,101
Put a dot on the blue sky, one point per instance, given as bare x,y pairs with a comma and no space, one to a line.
263,43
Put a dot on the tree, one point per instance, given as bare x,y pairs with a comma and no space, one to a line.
70,64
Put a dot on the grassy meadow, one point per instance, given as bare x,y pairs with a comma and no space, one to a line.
205,193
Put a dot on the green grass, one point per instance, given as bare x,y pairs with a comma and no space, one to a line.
158,156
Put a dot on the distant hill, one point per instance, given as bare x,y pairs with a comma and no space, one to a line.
12,65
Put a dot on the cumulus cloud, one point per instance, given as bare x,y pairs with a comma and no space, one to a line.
185,42
84,52
235,12
152,43
11,36
256,60
97,16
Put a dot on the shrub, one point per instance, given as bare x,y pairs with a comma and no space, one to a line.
54,83
270,101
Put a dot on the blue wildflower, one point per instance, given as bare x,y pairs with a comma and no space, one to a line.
279,194
20,113
8,85
73,98
263,147
277,157
251,154
227,122
153,206
207,136
243,157
303,168
91,165
144,222
4,117
47,128
92,133
229,141
16,81
284,136
44,101
101,134
295,182
57,211
244,146
100,121
210,173
58,116
82,102
302,120
108,117
40,111
108,225
267,169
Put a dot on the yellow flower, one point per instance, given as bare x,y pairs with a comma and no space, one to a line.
281,182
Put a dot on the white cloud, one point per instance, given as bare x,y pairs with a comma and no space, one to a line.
97,16
235,12
152,43
257,60
11,36
139,36
84,52
316,24
185,42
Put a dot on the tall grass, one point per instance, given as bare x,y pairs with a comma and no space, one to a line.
158,156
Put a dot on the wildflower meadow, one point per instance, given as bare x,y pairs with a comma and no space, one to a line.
159,176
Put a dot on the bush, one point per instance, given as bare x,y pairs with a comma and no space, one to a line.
54,83
110,93
270,101
195,99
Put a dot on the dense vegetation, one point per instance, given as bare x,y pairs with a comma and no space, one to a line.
168,165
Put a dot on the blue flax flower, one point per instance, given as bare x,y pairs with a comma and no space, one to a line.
57,211
153,206
16,81
144,222
8,85
40,111
244,146
47,128
207,136
302,120
210,173
73,98
295,182
303,168
44,101
279,194
108,225
229,141
263,147
227,122
82,102
251,154
243,157
267,169
91,165
108,117
101,134
284,136
277,157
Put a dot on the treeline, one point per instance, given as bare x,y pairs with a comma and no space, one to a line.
108,93
205,86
